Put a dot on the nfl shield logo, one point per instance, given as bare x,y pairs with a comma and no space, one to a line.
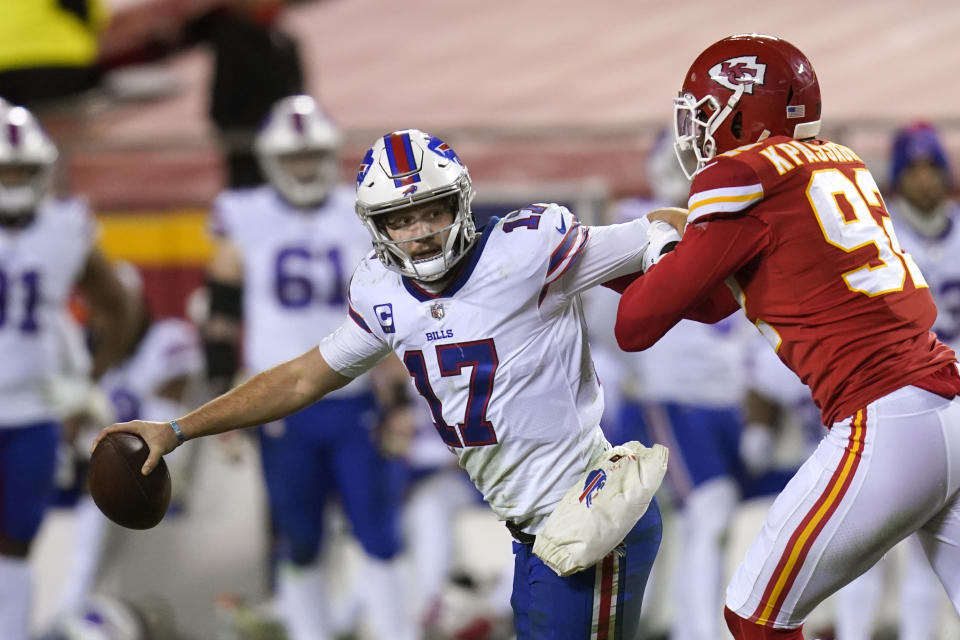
436,310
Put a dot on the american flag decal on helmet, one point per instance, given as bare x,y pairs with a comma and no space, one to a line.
796,111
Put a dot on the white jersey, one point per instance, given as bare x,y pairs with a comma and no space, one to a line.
39,265
501,355
698,364
168,350
939,261
296,269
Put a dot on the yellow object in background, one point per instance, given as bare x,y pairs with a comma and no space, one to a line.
160,239
50,33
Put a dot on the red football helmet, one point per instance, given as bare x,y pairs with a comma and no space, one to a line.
741,90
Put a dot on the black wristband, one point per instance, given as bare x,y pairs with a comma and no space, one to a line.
226,298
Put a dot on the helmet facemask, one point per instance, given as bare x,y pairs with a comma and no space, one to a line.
460,233
304,177
408,169
298,150
27,158
695,122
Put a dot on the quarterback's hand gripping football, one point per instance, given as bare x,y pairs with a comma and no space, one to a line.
159,436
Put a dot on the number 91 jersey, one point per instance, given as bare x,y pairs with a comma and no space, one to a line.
834,292
501,354
39,265
296,268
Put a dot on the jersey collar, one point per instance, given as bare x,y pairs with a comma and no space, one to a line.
464,270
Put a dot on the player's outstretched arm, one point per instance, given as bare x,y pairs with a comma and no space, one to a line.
265,397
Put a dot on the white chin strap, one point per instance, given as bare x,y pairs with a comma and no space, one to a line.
727,109
806,130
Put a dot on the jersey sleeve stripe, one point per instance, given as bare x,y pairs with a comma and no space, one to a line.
573,257
563,250
725,200
358,319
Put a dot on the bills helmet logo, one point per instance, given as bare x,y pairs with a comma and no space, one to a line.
595,481
441,148
743,70
410,190
365,166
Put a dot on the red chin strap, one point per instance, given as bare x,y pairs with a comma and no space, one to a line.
745,630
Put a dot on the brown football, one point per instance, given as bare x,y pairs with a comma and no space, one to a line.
118,488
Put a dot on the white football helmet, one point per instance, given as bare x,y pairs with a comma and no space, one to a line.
298,149
407,168
27,157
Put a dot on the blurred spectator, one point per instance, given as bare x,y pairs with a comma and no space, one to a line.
256,64
927,225
46,247
49,49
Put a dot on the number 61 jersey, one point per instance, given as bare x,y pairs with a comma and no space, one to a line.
501,354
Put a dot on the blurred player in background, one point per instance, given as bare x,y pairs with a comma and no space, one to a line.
47,246
796,229
489,324
927,223
156,377
282,266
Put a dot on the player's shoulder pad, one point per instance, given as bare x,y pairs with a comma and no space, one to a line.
543,236
230,205
725,187
370,276
549,222
73,215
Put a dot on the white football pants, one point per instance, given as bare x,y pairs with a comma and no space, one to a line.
889,470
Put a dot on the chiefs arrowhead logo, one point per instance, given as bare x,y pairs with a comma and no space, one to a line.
744,70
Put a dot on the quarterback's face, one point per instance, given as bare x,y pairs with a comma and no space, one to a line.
422,229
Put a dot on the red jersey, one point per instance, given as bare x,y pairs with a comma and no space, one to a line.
800,235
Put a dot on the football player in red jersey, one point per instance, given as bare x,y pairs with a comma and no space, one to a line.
795,228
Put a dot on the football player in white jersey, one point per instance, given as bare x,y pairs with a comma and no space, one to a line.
46,248
291,246
927,223
488,323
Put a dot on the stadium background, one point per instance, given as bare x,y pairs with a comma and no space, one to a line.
557,99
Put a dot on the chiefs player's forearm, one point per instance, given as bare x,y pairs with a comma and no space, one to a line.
640,323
